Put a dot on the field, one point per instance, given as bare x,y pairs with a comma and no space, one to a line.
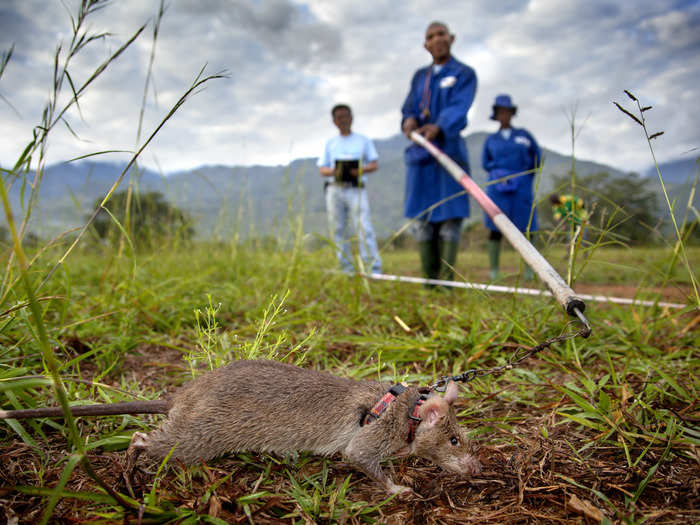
603,429
597,430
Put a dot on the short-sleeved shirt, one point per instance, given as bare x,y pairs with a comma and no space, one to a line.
348,147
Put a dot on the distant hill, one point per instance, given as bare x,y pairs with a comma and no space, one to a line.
257,200
679,177
68,190
679,171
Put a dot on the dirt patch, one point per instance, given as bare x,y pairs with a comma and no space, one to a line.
156,366
152,367
526,479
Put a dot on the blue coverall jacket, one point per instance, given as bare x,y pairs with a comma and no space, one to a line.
450,93
505,156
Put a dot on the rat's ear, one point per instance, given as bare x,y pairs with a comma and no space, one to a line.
433,410
451,393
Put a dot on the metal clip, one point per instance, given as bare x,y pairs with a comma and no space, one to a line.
586,331
441,384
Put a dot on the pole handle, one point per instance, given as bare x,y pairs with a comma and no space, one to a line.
564,295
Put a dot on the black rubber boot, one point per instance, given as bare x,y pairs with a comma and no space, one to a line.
429,260
448,259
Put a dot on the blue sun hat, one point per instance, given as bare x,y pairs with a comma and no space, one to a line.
503,101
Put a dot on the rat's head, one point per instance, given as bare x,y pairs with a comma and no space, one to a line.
440,439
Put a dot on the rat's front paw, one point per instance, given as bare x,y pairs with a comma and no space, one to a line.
398,489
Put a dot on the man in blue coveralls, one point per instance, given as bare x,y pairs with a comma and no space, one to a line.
436,107
346,158
507,152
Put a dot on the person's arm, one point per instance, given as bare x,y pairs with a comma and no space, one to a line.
325,165
429,131
409,117
409,125
366,168
369,159
453,117
370,167
487,161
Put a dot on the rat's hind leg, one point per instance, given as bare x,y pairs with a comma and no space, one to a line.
138,443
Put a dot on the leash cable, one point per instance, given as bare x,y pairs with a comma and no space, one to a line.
518,357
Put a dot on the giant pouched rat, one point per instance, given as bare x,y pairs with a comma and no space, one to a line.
269,406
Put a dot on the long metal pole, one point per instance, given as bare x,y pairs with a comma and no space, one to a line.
513,290
561,291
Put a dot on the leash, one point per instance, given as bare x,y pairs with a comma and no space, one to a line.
497,288
519,355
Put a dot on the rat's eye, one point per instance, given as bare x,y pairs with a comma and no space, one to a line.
454,441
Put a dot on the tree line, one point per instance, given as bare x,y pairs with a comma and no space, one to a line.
624,209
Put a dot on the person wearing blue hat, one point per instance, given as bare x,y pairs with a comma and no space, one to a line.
436,107
511,157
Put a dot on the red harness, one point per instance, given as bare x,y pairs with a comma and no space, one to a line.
394,392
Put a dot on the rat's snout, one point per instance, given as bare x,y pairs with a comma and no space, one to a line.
466,465
470,465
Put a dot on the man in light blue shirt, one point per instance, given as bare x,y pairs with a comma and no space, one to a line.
346,159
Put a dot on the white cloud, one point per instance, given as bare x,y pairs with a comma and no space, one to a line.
289,62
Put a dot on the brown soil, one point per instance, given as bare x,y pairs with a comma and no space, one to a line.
526,479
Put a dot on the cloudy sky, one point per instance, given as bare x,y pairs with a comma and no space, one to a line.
289,61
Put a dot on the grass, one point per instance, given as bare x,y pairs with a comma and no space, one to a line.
612,419
603,429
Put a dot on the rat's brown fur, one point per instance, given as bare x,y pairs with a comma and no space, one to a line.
268,406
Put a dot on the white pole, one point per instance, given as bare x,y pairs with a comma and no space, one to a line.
560,290
512,289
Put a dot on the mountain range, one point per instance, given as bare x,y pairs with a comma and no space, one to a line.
261,200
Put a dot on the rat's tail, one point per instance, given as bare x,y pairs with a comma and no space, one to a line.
156,406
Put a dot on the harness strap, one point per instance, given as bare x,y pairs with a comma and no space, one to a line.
413,419
394,392
378,409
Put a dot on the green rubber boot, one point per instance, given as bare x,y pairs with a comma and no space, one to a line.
429,261
494,256
448,258
528,274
